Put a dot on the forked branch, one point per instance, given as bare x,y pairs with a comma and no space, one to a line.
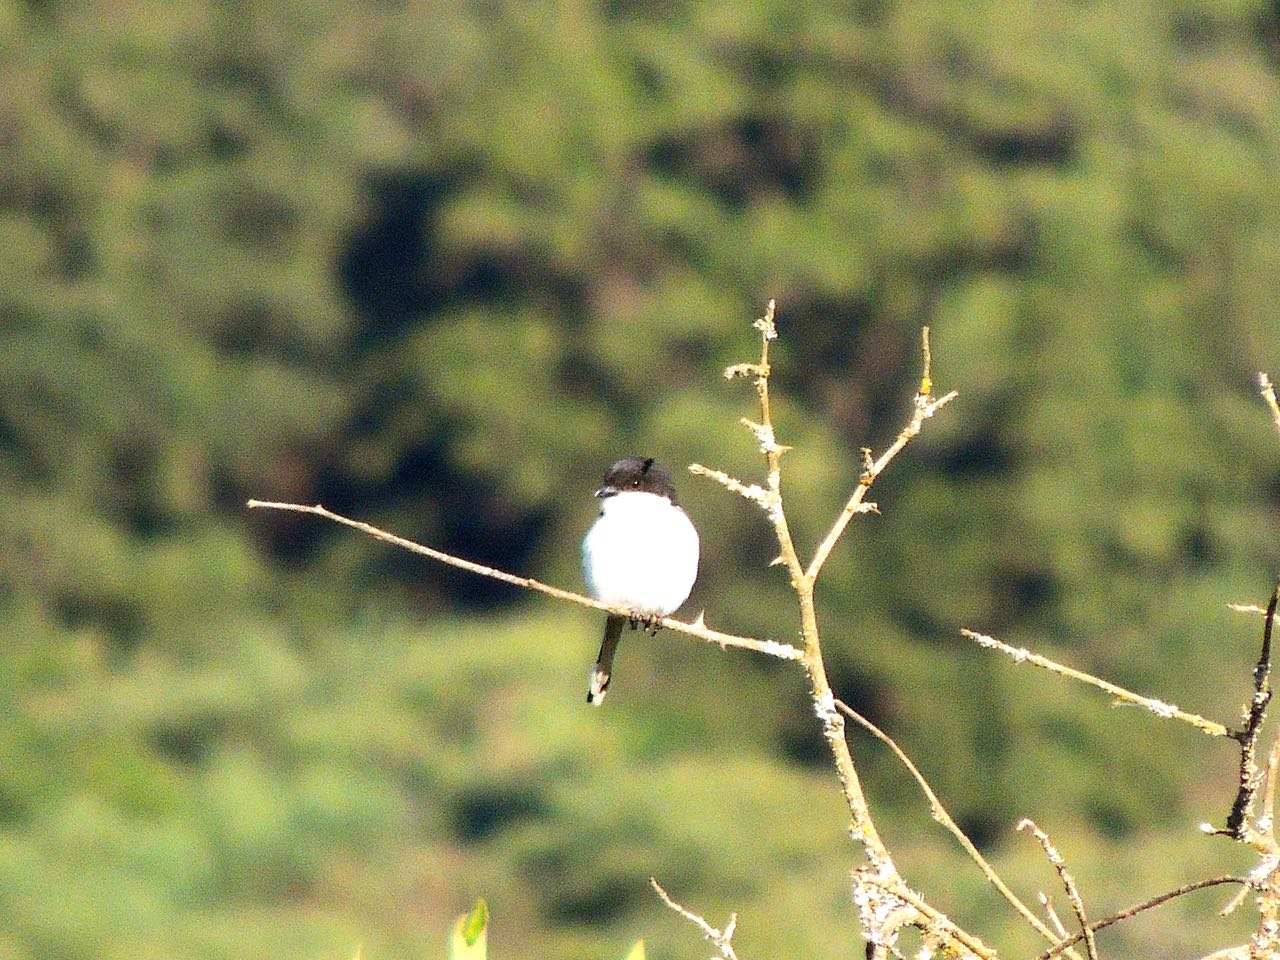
1138,908
940,814
885,902
1068,884
926,405
722,939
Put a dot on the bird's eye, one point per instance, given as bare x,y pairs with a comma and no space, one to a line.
636,482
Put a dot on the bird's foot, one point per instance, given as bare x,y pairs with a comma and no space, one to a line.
648,622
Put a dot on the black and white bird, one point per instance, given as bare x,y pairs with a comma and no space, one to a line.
641,554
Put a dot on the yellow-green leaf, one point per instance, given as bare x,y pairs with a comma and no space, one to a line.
468,939
637,952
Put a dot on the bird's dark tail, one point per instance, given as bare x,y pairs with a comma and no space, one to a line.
604,662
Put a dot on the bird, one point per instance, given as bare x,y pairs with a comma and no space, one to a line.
640,554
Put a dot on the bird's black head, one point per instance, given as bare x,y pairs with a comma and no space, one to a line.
638,475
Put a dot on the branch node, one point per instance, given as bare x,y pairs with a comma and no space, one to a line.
940,814
768,329
745,370
721,938
1068,883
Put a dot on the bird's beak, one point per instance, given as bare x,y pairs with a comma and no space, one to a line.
606,491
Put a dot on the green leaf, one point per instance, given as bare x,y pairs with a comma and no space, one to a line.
468,940
475,922
637,952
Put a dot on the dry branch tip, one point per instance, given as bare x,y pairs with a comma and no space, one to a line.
1157,707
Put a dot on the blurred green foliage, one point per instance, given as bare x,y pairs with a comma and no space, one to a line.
437,265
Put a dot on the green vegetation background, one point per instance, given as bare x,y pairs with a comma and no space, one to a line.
437,265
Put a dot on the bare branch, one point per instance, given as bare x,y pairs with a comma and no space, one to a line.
1238,825
770,648
1139,908
1068,884
721,938
885,902
925,407
862,827
940,814
1158,707
771,449
933,920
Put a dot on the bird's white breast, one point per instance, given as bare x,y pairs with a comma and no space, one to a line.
642,553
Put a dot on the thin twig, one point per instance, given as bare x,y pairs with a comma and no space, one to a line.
1242,808
1137,909
1053,916
1068,884
1247,608
925,406
1235,901
773,450
1158,707
1268,392
770,648
721,938
1267,822
940,814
